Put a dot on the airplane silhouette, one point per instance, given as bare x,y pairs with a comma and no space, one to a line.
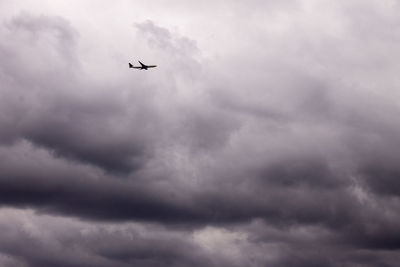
142,67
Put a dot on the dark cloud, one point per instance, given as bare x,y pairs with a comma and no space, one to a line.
278,149
382,180
59,190
45,108
69,243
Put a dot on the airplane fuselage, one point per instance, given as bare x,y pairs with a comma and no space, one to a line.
142,66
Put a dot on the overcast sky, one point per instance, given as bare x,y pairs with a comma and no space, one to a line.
268,135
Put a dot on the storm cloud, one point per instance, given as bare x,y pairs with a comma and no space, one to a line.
266,136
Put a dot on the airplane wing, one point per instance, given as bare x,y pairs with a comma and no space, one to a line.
143,65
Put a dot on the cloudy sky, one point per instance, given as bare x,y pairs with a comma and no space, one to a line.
268,135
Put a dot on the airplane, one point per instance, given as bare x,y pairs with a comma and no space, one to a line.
142,67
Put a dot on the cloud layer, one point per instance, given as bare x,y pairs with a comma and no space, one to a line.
258,141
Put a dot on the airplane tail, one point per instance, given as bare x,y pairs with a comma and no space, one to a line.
130,65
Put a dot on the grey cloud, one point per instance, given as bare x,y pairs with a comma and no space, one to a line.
179,54
49,241
60,190
44,107
288,138
382,179
161,38
102,129
50,26
7,260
